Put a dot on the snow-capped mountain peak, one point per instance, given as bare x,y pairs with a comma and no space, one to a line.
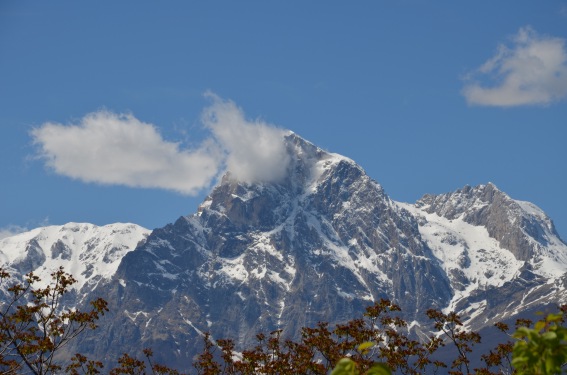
518,226
89,252
485,240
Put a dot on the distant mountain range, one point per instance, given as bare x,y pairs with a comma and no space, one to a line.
318,245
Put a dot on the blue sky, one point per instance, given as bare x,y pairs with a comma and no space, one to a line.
427,96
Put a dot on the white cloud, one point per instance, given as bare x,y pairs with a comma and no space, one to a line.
255,150
11,230
532,71
118,149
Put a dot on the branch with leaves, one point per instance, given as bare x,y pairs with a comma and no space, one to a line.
34,326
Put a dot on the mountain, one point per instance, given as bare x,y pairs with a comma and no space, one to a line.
502,256
89,252
319,244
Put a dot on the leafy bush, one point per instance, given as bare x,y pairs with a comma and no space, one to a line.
34,327
542,349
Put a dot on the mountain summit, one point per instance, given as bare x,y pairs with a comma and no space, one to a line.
502,256
91,253
320,243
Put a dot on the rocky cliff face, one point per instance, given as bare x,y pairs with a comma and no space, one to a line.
319,244
502,256
518,226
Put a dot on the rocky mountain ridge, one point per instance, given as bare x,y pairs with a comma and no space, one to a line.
320,245
90,253
502,256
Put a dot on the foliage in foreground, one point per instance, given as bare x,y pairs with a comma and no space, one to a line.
542,349
34,327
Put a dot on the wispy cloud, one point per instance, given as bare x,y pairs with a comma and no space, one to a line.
118,149
11,230
255,149
532,71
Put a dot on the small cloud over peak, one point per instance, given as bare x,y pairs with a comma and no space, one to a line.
118,149
255,150
532,71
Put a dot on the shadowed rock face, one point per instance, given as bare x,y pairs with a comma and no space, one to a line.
34,257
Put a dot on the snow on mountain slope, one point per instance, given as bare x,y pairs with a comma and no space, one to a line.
88,252
550,258
470,257
484,240
520,227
